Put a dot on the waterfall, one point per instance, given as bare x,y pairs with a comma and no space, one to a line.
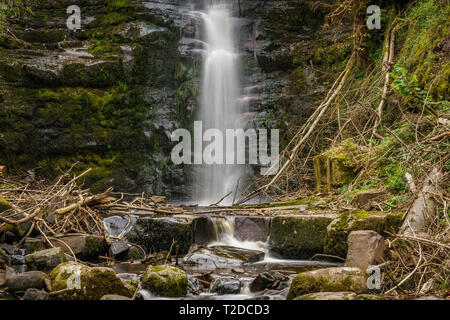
224,228
219,105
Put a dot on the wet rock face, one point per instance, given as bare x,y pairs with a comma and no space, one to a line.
269,280
251,228
204,231
165,281
328,280
298,237
226,286
222,257
157,234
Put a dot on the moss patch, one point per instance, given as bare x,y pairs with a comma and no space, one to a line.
93,283
327,280
298,237
165,281
340,228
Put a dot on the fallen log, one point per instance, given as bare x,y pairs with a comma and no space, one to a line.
423,209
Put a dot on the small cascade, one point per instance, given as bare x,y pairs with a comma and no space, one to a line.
224,228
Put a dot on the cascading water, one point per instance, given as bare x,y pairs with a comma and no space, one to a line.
220,107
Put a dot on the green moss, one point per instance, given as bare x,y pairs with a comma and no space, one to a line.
298,237
165,281
3,255
424,28
336,166
94,282
338,231
4,205
303,284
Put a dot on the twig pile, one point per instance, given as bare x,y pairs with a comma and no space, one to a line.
420,262
63,207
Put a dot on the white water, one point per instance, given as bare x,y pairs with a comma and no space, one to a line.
224,227
220,107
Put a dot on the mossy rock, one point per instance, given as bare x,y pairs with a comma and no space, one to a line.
98,75
165,281
87,283
336,166
45,259
84,247
4,205
298,237
43,36
340,228
328,280
156,235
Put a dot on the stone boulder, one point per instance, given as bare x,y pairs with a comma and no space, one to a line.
33,244
25,280
328,280
226,286
84,247
222,257
299,236
365,248
87,283
252,228
367,199
165,281
346,222
35,294
45,259
269,280
157,234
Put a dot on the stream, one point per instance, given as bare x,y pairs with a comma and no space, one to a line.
221,258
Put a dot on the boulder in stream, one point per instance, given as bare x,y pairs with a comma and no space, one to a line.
87,283
25,280
84,247
328,280
269,280
45,259
165,281
158,234
35,294
219,257
226,286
